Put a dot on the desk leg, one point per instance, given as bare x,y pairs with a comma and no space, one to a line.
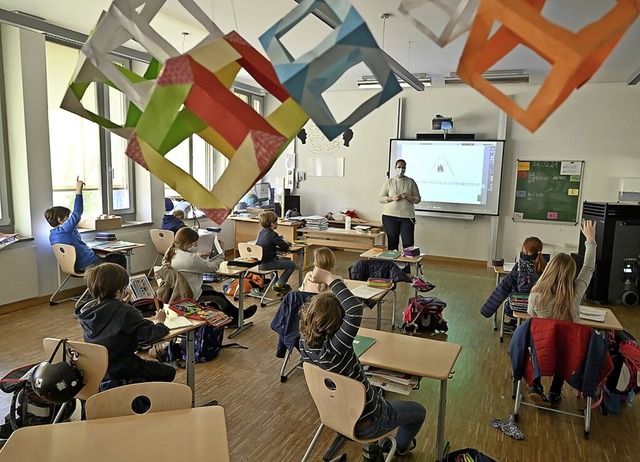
241,324
127,256
191,365
441,445
300,266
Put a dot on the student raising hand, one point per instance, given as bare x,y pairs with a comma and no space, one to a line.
588,228
79,185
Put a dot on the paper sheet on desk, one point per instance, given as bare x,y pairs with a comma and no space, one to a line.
592,314
366,292
173,321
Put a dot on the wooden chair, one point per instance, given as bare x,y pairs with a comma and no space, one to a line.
162,240
253,250
66,256
116,402
340,402
92,359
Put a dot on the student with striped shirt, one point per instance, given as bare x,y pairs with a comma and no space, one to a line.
328,325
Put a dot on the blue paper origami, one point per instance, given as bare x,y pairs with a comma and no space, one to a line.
306,78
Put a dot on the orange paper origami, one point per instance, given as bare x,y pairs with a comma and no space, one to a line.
574,57
192,96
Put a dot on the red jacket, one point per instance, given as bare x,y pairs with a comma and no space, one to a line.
573,351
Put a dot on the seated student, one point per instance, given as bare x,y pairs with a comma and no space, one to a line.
271,242
328,326
325,259
521,278
173,221
65,231
110,321
557,295
183,257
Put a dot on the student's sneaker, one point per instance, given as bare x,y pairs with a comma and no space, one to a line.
536,394
386,447
555,398
281,289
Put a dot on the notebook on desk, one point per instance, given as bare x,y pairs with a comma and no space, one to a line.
366,292
174,321
390,254
362,344
592,314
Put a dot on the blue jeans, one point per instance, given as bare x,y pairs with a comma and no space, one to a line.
281,264
407,415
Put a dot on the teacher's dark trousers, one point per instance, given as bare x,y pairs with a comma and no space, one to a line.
397,227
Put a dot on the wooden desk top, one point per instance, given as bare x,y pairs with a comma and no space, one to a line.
195,323
341,232
200,434
114,246
255,220
411,355
352,284
371,254
506,269
610,320
233,271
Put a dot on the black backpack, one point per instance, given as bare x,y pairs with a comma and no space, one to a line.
207,345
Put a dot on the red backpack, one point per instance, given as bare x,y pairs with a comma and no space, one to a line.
424,314
625,352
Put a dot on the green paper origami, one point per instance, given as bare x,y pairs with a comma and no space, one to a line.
309,76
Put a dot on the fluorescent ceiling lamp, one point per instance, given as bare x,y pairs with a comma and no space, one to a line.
507,76
369,81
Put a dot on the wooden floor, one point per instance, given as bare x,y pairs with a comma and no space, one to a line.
272,421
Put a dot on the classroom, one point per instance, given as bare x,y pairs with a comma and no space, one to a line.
44,148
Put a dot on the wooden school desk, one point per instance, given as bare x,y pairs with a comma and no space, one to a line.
417,260
189,333
417,356
351,284
188,434
342,238
124,247
610,320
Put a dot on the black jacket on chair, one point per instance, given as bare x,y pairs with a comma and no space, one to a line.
365,269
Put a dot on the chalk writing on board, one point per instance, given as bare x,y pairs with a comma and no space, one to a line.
548,191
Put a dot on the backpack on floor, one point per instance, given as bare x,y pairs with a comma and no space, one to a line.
207,345
468,455
625,352
424,314
251,280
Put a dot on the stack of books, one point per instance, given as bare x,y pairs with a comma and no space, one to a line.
106,237
519,302
396,382
316,222
382,283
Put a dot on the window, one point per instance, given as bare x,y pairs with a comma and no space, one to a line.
81,148
201,160
6,225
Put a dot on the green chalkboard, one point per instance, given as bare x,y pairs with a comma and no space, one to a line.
548,191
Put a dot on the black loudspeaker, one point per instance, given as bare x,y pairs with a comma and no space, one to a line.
618,239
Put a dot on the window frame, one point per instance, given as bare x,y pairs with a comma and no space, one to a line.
6,209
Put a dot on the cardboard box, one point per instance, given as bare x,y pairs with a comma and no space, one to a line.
99,224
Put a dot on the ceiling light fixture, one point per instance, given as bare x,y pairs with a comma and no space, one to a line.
369,81
506,76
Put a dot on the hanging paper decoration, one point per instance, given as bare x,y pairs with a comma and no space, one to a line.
460,15
309,76
125,20
574,57
192,96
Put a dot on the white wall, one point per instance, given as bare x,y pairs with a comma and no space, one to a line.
597,124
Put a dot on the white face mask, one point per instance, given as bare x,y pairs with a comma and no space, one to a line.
400,171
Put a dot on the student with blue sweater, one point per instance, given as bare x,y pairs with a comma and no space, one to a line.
65,231
328,326
521,279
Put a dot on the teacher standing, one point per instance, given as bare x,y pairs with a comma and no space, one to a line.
399,195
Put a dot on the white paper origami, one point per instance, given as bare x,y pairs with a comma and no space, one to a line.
314,72
460,16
